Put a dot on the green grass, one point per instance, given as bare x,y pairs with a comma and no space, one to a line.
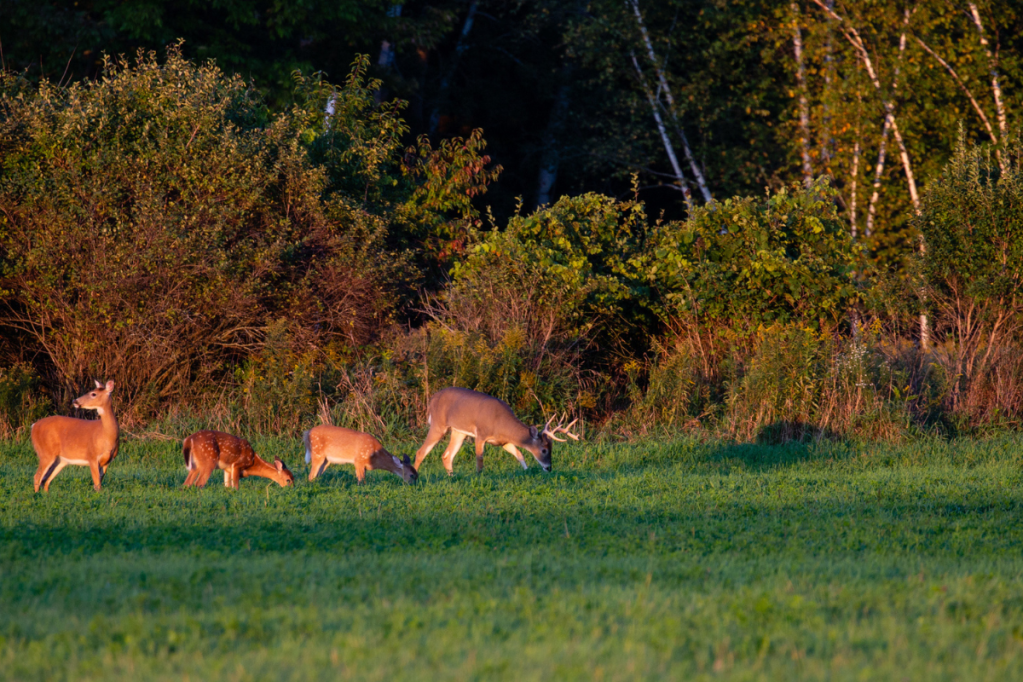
631,561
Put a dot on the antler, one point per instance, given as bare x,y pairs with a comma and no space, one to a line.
560,429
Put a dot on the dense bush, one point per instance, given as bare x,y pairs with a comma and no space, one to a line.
972,223
260,271
156,222
746,262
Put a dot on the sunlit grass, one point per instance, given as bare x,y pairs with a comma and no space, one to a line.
648,560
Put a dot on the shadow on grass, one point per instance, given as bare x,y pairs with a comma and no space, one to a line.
713,519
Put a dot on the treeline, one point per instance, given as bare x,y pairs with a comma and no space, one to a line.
258,269
699,98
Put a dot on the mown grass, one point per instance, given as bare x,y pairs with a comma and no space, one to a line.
650,560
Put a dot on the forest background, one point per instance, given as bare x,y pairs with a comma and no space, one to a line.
760,220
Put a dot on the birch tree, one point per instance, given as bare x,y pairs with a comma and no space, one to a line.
804,102
664,89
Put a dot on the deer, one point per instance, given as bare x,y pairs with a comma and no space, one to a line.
326,445
205,451
467,413
59,441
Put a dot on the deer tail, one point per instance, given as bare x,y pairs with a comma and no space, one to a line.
186,450
308,448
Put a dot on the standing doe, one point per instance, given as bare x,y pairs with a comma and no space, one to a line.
487,420
59,441
337,445
205,451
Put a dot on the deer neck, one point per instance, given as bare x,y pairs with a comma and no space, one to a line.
107,421
263,470
517,433
382,459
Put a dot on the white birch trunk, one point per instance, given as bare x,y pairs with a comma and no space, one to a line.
966,91
827,139
996,90
701,181
665,138
882,150
853,36
804,105
852,185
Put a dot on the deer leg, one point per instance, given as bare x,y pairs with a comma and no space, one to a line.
454,445
204,475
432,438
57,467
231,478
97,475
360,472
480,444
190,479
317,467
45,472
518,455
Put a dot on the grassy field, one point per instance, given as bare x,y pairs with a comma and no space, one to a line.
631,561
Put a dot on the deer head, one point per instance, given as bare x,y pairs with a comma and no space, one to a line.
284,477
408,472
95,399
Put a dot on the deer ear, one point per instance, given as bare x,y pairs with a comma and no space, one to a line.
98,384
110,386
278,463
406,461
534,433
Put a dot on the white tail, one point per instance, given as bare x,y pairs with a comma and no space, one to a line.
487,420
59,441
336,445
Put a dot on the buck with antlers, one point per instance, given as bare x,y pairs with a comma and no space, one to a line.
205,451
337,445
59,441
467,413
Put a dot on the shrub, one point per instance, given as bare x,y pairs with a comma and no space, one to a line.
157,221
745,262
802,384
973,266
21,401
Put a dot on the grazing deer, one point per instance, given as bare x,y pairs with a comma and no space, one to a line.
336,445
487,420
59,441
205,451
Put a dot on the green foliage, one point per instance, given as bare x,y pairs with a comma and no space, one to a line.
650,560
158,219
970,221
801,384
426,194
745,262
587,252
21,398
265,40
359,143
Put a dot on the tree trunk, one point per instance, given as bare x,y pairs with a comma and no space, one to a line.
996,90
550,158
701,181
445,81
386,59
665,138
804,104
